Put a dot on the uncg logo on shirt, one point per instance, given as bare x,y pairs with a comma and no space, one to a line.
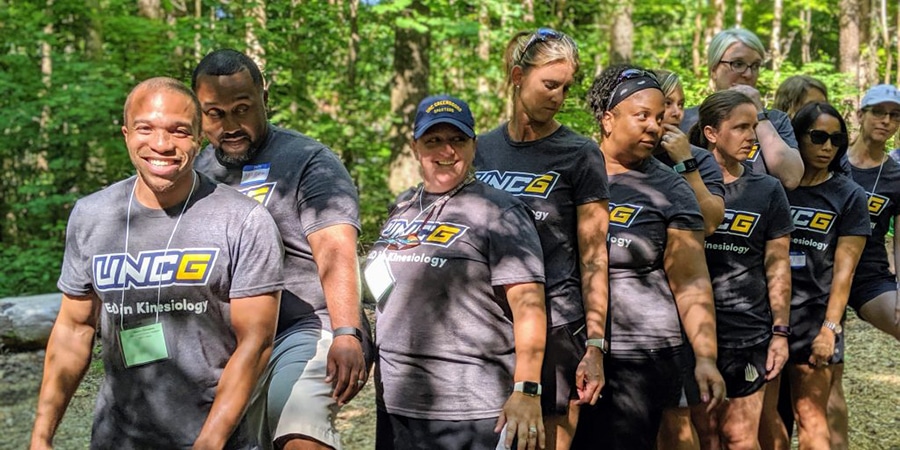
738,223
153,269
441,234
812,219
259,192
623,215
876,203
520,184
754,153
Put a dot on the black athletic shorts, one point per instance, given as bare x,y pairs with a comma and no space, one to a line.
395,432
639,386
866,291
806,321
564,349
744,369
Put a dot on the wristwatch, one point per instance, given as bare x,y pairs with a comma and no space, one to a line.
351,331
529,388
686,166
599,343
762,115
781,330
835,327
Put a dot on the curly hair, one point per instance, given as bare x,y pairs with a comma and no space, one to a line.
603,86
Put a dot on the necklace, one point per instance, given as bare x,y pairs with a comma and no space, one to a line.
412,239
168,243
878,177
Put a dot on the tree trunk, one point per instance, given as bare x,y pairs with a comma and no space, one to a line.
410,86
871,51
484,86
353,44
849,38
151,9
718,19
775,42
738,13
696,51
528,7
806,35
886,39
255,24
621,44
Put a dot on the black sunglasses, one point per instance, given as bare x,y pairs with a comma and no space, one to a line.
628,74
819,137
541,35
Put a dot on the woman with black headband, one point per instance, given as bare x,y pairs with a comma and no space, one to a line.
831,223
658,277
560,175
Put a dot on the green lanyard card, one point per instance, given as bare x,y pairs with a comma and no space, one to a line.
143,345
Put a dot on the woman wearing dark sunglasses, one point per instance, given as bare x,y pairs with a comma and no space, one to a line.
831,226
560,175
658,276
734,59
458,276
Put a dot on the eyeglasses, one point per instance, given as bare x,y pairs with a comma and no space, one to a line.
741,67
819,137
627,74
541,35
880,114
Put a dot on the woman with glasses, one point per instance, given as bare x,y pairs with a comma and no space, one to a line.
560,175
658,276
734,59
458,276
831,226
874,294
750,271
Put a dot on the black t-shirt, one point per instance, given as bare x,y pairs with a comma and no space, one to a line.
553,176
644,204
821,214
756,211
882,186
708,167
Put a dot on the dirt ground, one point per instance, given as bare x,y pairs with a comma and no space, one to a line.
871,382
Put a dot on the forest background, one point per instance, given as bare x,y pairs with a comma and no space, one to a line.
350,73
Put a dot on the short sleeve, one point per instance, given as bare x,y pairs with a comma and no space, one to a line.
75,276
710,172
515,254
782,123
326,194
257,266
683,211
590,181
779,212
855,214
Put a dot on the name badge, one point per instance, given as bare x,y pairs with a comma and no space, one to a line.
255,174
143,345
798,260
379,279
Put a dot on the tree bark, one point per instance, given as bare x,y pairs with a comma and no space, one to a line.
528,7
696,50
151,9
775,42
886,39
410,86
621,44
806,36
849,38
739,13
718,19
255,24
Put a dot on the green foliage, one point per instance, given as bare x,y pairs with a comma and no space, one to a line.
61,137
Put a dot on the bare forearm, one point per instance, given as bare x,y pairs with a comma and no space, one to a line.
593,226
529,329
233,392
778,279
711,206
334,250
685,264
846,256
782,161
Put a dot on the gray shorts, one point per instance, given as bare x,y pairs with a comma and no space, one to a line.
294,398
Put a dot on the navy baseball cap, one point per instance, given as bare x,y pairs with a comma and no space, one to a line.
444,109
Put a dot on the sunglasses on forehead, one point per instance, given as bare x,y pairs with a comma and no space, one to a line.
819,137
628,74
541,35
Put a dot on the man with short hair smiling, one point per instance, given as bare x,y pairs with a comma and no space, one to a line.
185,297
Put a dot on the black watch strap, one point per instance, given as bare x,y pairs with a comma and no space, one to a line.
686,166
781,330
351,331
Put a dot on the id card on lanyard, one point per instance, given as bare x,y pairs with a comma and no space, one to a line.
143,345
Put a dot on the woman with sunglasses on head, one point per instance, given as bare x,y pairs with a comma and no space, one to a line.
750,270
560,175
831,226
874,295
734,59
458,276
658,276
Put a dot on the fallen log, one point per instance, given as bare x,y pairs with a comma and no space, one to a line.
25,322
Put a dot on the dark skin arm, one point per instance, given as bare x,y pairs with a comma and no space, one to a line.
254,320
334,250
67,360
